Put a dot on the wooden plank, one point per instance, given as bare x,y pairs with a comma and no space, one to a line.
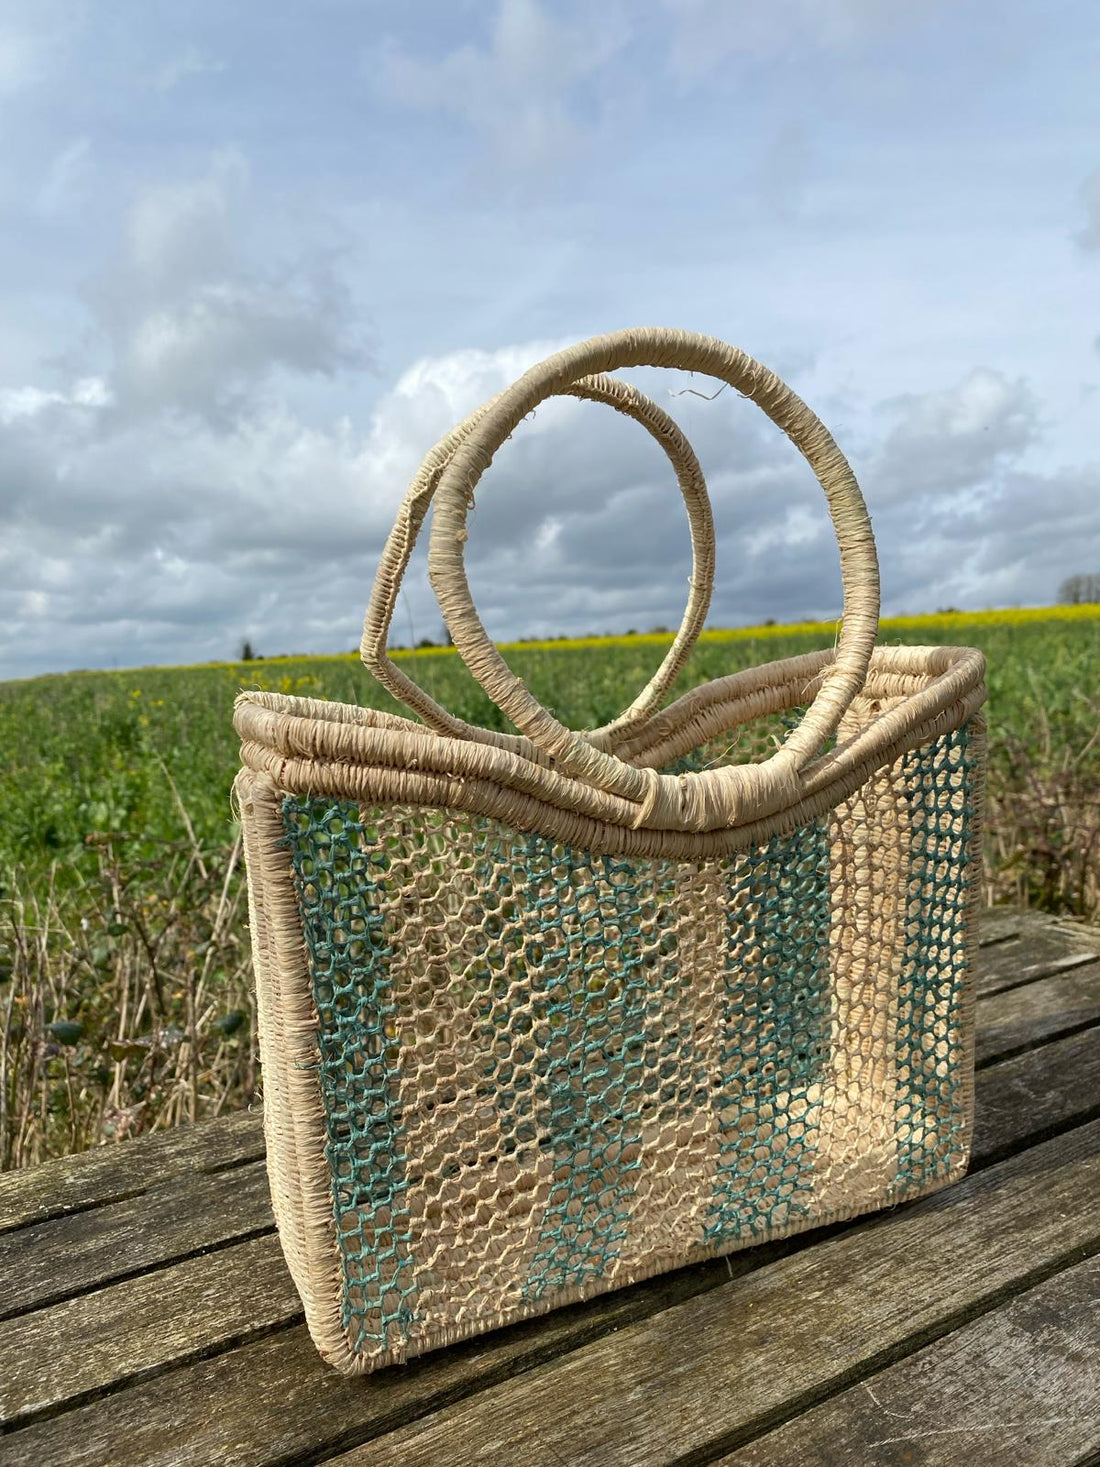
274,1400
997,924
1028,1096
1027,1016
681,1384
1041,954
143,1324
113,1172
1019,1385
72,1254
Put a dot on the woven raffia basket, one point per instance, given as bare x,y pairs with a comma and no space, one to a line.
542,1014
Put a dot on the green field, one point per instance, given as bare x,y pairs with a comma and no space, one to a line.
124,971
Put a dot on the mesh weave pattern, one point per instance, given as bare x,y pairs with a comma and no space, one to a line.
775,1033
546,1070
929,1039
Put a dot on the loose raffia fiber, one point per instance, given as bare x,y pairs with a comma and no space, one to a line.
545,1013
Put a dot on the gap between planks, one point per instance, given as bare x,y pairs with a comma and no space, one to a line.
119,1171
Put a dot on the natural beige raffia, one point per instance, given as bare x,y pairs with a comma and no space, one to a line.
545,1013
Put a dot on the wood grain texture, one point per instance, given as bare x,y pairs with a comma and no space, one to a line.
997,924
141,1325
211,1410
1020,1385
687,1380
275,1401
204,1360
113,1172
69,1255
1037,1012
303,1404
1038,955
1025,1099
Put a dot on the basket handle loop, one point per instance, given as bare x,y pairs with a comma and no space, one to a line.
713,798
626,399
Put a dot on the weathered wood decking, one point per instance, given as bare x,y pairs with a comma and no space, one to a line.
146,1315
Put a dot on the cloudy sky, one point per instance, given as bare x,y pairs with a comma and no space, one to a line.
255,258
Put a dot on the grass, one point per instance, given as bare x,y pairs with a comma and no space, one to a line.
125,994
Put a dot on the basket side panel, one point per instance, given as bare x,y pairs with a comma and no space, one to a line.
546,1071
935,1032
936,1007
905,861
293,1118
868,859
775,1032
978,752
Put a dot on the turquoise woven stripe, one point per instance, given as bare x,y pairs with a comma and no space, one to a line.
583,918
776,1034
339,875
930,1113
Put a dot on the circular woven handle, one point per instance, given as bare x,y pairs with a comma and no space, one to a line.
717,797
625,399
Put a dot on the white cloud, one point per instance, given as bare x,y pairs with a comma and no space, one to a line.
1011,545
29,402
190,62
128,539
949,440
193,322
170,539
526,92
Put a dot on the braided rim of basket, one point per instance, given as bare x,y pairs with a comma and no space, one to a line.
310,746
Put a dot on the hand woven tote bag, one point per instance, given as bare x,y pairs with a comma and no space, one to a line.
545,1013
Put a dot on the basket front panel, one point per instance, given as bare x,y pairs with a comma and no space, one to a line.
546,1072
